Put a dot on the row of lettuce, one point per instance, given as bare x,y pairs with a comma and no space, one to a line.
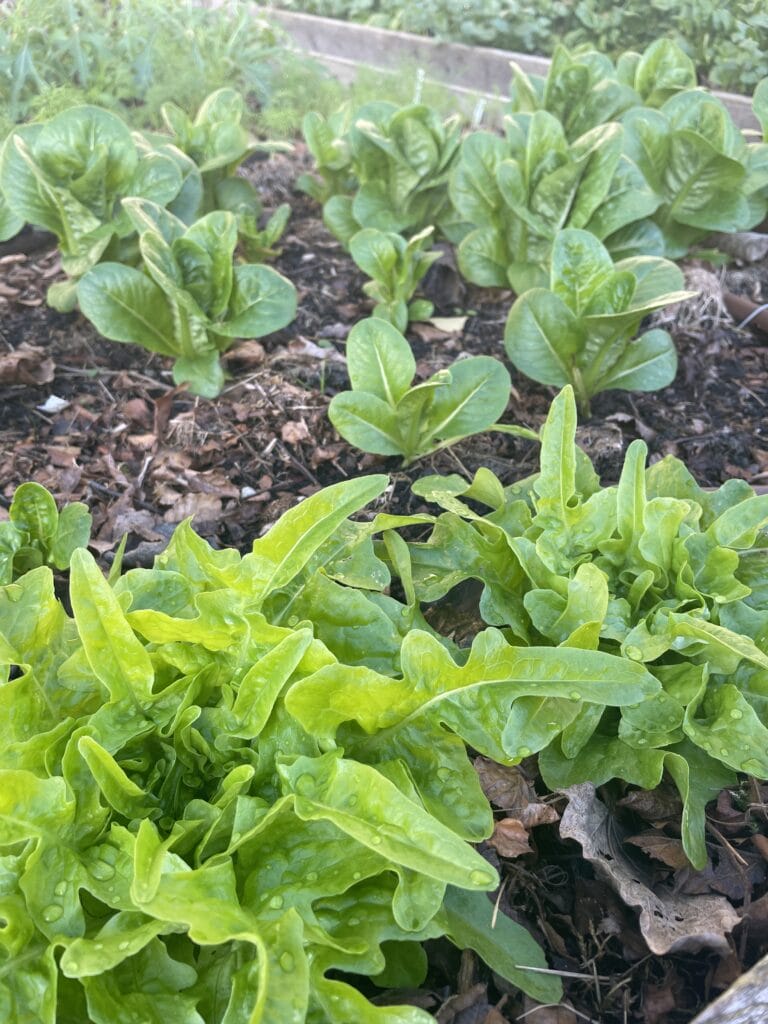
231,784
579,206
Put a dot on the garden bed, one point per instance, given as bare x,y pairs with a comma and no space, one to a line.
101,422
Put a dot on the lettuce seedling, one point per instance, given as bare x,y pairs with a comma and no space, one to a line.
706,176
586,89
69,176
327,142
654,571
516,193
396,266
385,413
390,166
192,821
36,533
188,302
580,330
218,143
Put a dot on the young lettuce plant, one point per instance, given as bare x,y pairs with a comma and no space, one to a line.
392,164
200,816
218,143
188,301
516,193
581,330
655,571
69,175
36,533
705,175
386,414
584,90
396,266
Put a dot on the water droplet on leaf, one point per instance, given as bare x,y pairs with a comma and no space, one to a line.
52,913
480,878
276,902
286,961
60,888
443,774
736,714
311,876
635,653
574,695
523,752
305,785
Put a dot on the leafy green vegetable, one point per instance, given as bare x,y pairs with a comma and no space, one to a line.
69,176
382,167
395,266
579,331
181,837
387,415
189,302
516,194
705,175
36,533
605,91
216,140
653,572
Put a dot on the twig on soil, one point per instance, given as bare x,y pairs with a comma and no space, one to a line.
554,1006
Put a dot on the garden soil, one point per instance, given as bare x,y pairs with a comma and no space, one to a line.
102,422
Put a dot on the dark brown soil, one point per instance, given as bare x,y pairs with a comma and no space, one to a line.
145,455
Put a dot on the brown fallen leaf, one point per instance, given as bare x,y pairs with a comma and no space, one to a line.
668,922
655,805
294,431
28,364
510,838
204,507
664,848
509,789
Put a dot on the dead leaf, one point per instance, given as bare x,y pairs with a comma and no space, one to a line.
205,507
247,353
655,805
664,848
294,431
668,922
28,364
510,838
449,324
508,788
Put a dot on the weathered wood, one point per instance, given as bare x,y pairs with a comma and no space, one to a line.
745,1002
473,70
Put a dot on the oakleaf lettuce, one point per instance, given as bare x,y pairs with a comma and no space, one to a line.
653,572
181,836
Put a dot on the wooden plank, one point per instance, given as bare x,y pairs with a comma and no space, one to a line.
745,1002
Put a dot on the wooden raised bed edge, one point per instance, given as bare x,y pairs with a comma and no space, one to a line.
470,72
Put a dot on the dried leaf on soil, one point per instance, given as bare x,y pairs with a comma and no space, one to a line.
668,922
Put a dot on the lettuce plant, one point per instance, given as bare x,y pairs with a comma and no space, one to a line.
387,170
654,571
385,413
328,144
706,176
69,176
229,784
516,193
586,89
580,330
395,266
188,301
36,533
760,106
